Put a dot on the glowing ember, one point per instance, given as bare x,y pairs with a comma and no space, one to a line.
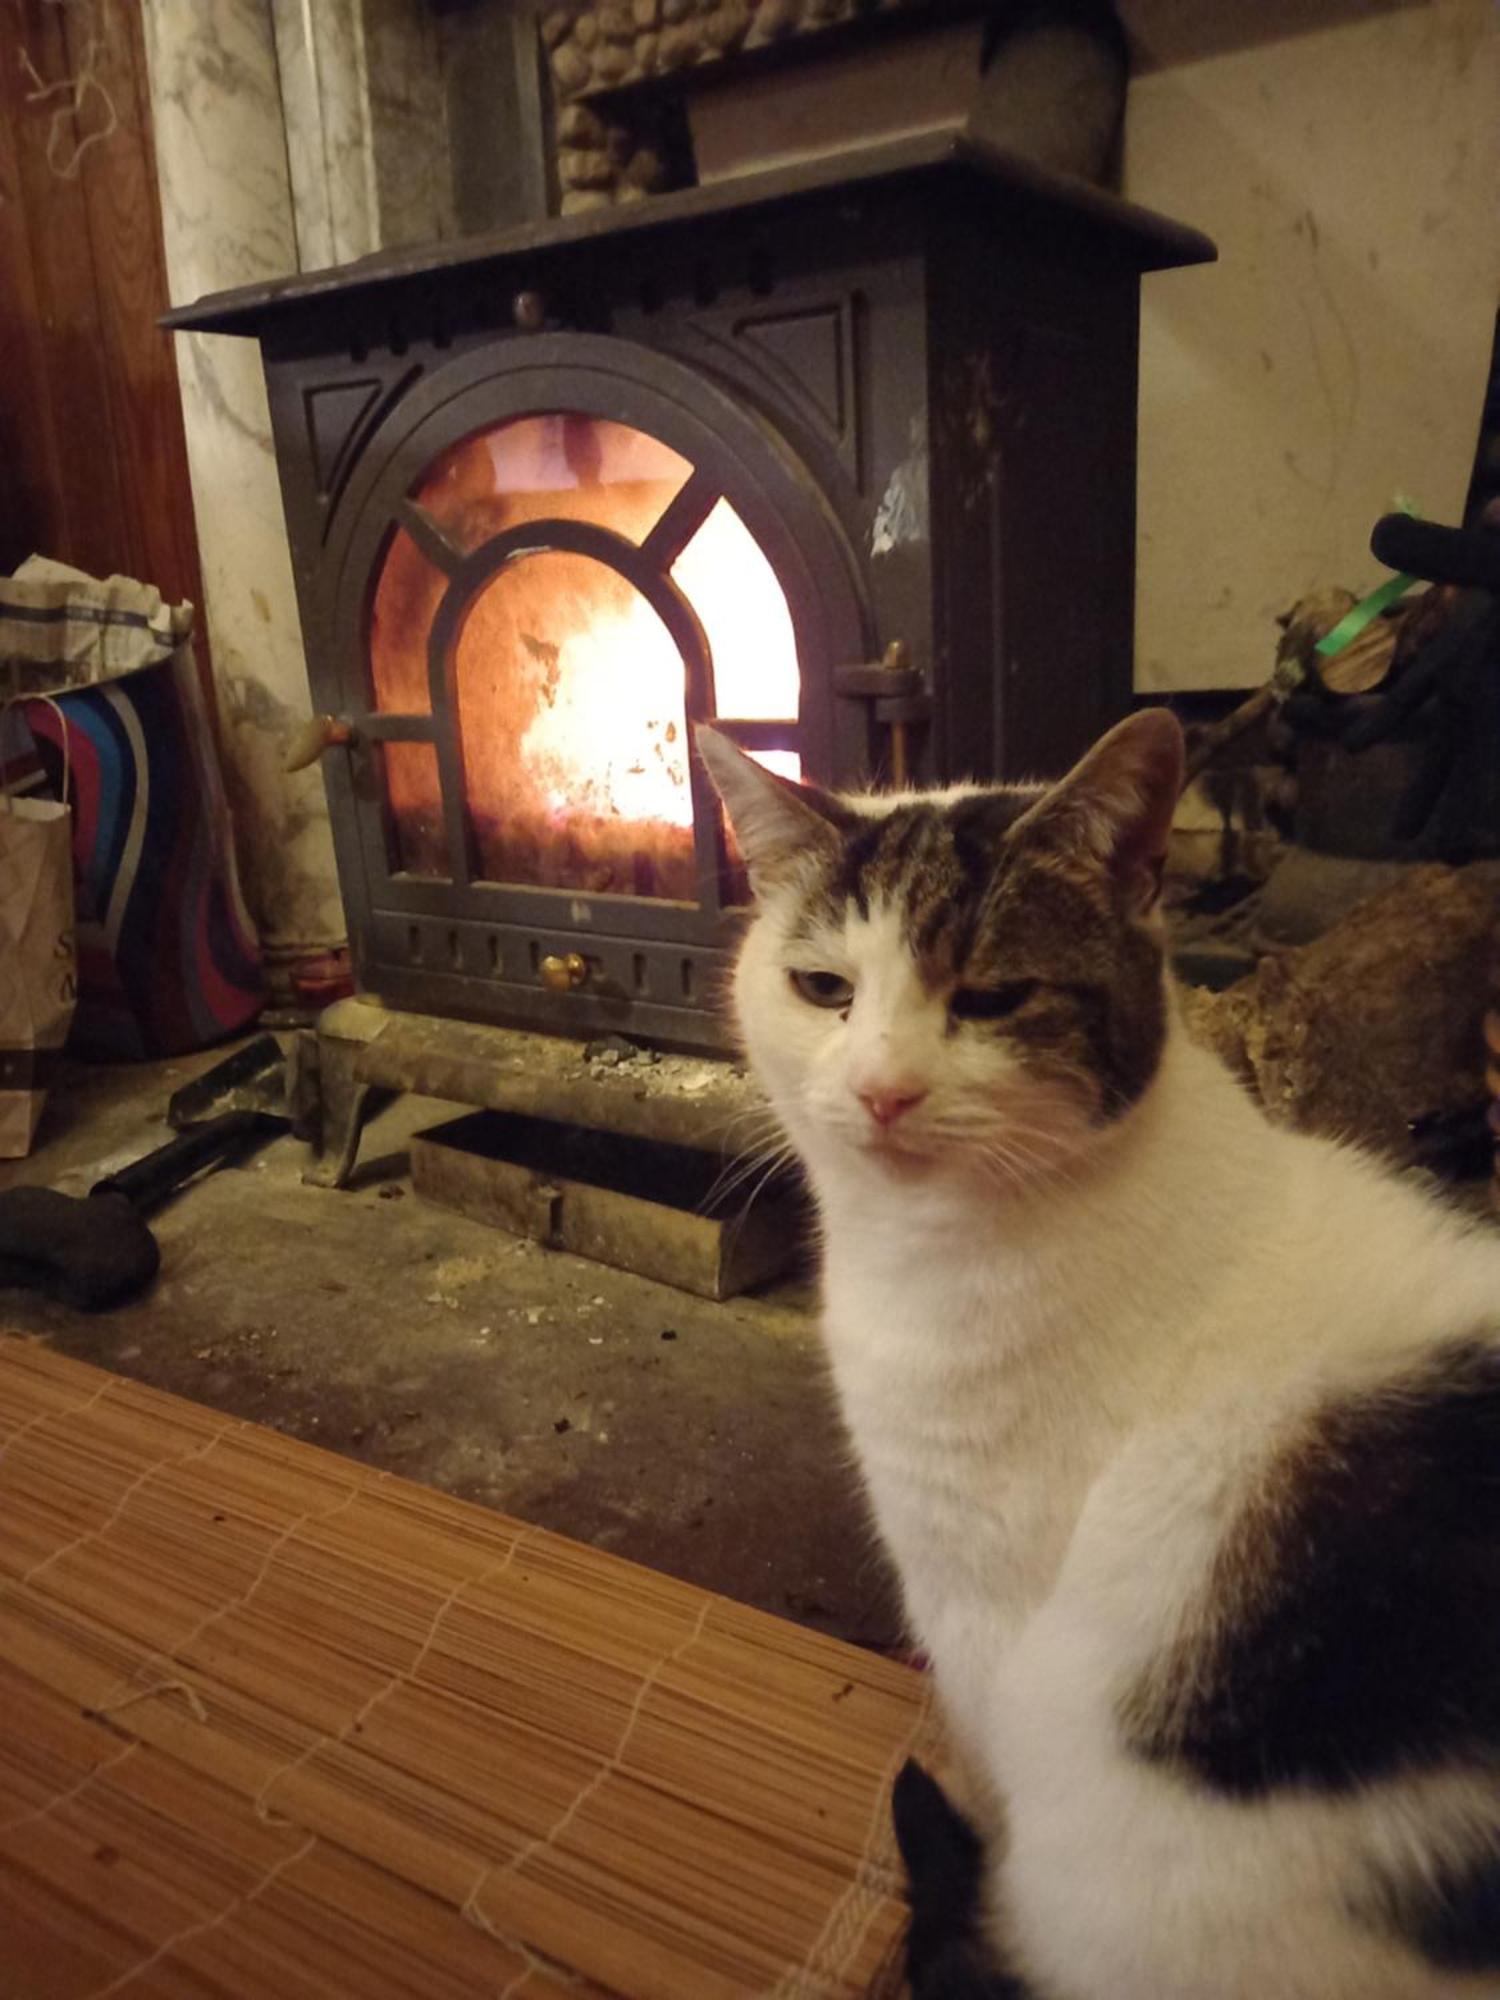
610,735
570,704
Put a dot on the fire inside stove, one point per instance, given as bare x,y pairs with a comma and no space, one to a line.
571,689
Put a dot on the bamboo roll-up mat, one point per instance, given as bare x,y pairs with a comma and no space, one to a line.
275,1726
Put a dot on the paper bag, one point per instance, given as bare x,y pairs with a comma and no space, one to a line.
37,971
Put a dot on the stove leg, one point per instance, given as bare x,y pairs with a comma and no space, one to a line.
346,1104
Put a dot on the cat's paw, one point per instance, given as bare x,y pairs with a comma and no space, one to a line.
947,1957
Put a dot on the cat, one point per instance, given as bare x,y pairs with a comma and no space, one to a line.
1183,1429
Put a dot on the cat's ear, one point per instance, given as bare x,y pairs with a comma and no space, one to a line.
775,821
1115,806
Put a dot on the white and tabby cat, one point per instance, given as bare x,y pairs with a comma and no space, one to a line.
1183,1431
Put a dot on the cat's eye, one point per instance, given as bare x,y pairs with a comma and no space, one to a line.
991,1003
824,989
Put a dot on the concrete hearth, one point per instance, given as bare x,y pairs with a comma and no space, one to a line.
697,1437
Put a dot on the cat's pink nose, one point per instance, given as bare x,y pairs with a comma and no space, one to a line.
886,1105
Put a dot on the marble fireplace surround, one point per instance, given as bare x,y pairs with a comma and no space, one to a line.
290,134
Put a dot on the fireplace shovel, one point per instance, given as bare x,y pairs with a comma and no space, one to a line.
96,1250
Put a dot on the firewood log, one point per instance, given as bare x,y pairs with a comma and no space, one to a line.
1374,1024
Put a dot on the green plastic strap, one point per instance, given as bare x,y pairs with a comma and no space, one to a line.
1354,622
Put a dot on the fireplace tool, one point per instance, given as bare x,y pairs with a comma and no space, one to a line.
96,1250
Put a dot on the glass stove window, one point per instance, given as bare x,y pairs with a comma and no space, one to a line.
725,575
558,467
785,763
408,591
419,836
570,690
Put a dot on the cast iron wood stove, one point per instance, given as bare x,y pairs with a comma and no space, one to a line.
842,457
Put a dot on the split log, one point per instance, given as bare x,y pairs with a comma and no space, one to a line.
1374,1024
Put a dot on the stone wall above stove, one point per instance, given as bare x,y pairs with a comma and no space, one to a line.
620,148
602,48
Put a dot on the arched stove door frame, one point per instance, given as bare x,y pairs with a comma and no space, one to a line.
735,455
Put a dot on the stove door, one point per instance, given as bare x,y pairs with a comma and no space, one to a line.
566,552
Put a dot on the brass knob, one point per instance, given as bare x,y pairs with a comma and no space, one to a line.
317,734
561,975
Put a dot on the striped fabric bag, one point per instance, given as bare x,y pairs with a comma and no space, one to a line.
168,960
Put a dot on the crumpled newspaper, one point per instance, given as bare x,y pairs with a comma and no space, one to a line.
62,629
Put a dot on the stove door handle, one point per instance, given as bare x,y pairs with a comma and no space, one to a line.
317,734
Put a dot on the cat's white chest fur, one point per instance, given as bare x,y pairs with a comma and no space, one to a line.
965,1479
968,1491
945,1356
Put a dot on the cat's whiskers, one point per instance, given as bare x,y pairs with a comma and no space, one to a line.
756,1121
1029,1156
765,1150
766,1162
1026,1153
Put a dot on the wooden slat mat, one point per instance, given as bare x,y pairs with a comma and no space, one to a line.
275,1726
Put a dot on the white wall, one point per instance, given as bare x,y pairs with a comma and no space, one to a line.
1336,355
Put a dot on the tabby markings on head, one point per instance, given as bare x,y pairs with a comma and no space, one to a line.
984,900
